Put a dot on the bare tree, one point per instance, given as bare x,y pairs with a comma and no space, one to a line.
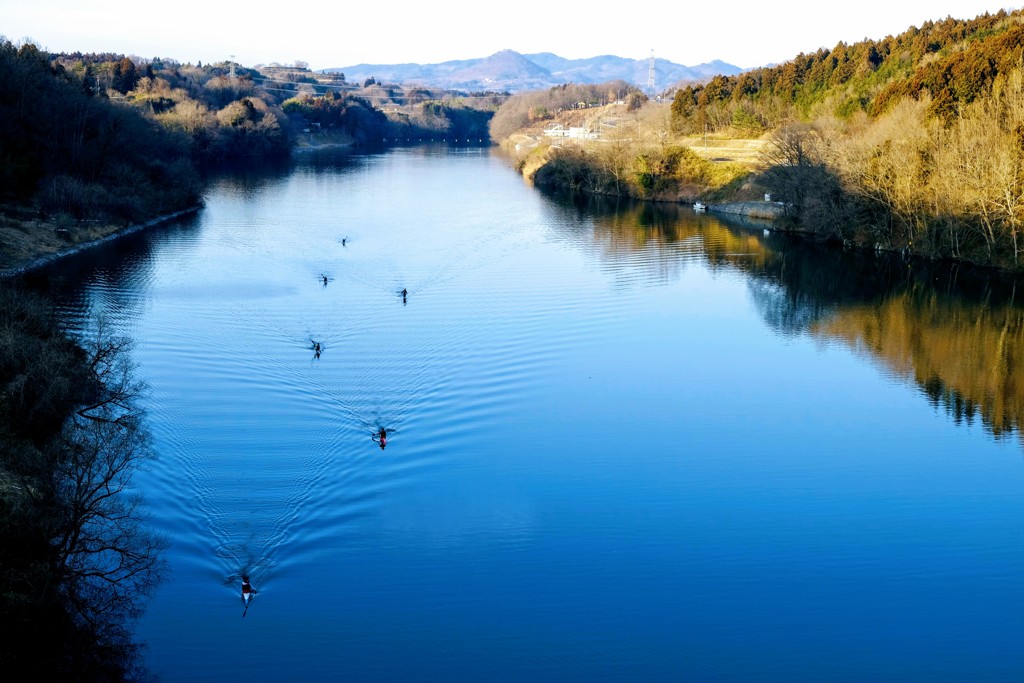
789,158
888,167
110,561
77,558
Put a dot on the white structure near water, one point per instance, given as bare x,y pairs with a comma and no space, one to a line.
573,132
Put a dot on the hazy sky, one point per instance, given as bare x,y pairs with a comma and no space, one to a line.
337,33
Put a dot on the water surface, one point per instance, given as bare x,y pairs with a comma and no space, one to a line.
625,442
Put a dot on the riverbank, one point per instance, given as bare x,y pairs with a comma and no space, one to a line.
315,141
583,169
29,244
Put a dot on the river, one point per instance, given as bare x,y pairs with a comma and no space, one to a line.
623,442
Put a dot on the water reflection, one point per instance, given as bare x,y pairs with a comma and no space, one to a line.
79,559
560,459
120,271
331,160
250,178
644,244
956,332
965,356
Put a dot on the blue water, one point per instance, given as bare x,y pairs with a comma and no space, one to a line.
625,443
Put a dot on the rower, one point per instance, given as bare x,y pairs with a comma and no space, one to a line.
247,593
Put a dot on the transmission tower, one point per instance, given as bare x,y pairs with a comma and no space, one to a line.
650,75
231,75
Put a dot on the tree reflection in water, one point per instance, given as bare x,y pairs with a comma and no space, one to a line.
955,331
78,561
110,560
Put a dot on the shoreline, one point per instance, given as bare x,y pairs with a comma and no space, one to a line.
768,211
46,259
307,146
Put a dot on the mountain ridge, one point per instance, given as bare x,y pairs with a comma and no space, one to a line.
513,71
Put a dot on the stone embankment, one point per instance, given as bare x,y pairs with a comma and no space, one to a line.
763,210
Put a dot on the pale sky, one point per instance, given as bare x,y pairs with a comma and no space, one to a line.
337,33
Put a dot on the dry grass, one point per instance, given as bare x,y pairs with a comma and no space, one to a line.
649,124
24,240
745,151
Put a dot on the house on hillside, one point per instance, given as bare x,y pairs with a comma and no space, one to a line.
573,132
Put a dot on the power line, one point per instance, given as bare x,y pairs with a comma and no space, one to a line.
650,75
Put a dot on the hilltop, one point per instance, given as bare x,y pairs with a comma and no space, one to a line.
512,71
908,143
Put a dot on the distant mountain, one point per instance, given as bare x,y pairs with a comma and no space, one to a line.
509,70
503,70
635,71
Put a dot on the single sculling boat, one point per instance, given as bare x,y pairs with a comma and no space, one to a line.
247,593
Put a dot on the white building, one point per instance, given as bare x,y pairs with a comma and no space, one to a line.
573,132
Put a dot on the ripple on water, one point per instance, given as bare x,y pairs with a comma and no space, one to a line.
599,445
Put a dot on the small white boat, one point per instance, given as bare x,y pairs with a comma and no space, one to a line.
697,206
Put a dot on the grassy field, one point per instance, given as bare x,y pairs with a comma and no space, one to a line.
645,126
746,151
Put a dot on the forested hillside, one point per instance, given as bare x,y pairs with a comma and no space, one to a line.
65,150
912,142
952,63
94,142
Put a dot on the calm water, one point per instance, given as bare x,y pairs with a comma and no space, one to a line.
625,443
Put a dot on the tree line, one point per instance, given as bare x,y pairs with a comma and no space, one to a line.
383,114
523,109
636,156
65,150
119,140
953,61
911,143
932,163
